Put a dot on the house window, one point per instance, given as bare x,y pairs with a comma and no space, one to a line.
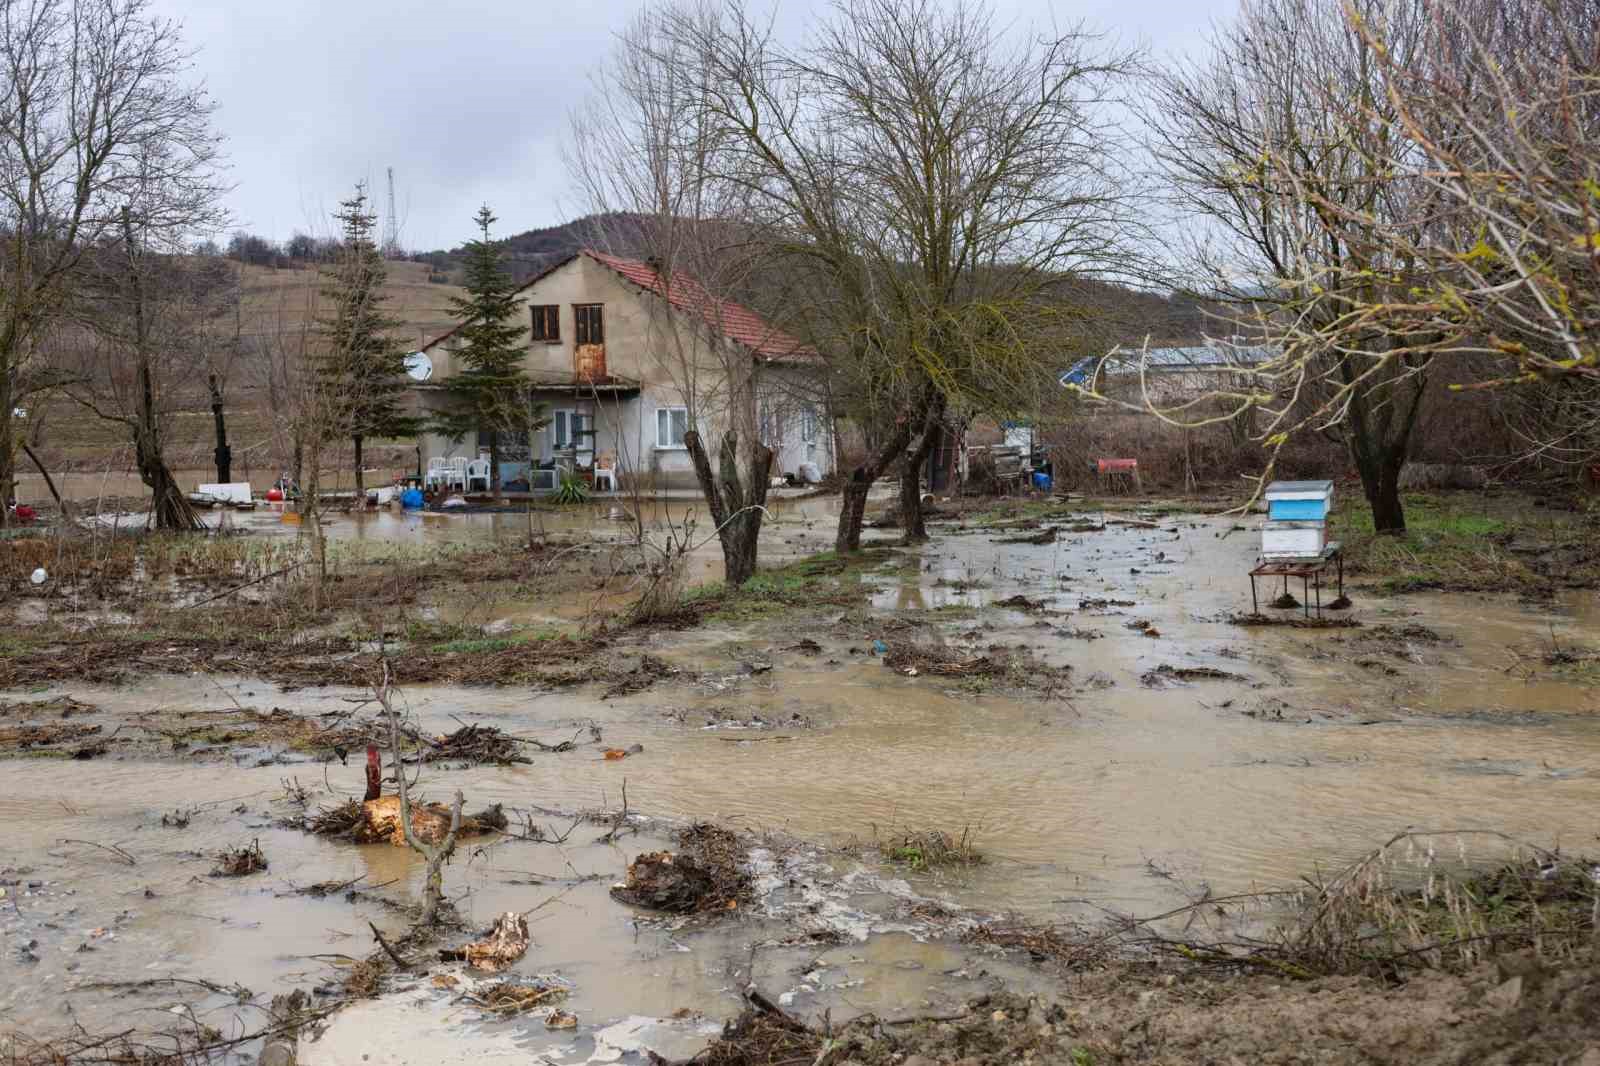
546,322
808,424
671,424
589,325
562,427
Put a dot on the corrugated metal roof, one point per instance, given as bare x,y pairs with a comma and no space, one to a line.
1213,355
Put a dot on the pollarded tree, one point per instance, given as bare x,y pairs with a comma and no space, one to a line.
493,390
363,365
932,173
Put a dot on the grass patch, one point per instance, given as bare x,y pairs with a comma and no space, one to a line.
824,580
1469,541
930,849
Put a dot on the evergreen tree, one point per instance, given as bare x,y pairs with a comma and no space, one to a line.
363,370
492,392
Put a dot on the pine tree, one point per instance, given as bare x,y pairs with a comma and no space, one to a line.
492,393
363,369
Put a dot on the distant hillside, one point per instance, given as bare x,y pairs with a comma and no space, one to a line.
526,254
1121,315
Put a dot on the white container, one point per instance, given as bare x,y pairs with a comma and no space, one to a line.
231,492
1292,540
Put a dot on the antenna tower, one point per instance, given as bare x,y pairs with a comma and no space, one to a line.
391,226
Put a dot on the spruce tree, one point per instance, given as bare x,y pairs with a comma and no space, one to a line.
363,369
492,391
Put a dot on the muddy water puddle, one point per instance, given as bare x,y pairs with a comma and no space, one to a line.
1127,790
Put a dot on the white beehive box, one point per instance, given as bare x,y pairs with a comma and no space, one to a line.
1293,540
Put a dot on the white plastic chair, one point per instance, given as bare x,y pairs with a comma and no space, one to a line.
457,477
438,471
478,470
605,469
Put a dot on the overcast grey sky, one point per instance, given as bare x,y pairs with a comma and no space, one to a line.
468,100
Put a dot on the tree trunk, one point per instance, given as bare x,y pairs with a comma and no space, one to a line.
911,518
8,454
49,483
361,477
853,504
169,506
224,453
736,506
1378,436
298,456
494,465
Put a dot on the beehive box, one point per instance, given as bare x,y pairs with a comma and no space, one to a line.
1299,501
1285,539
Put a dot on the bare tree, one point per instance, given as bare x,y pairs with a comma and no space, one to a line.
1284,142
932,176
98,116
643,145
144,319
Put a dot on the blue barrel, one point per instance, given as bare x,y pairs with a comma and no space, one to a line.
1041,481
411,499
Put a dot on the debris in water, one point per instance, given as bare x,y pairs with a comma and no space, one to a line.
503,945
613,754
238,862
1294,622
376,821
1166,672
560,1019
1019,602
510,997
478,744
942,661
1285,602
1098,604
706,874
1046,535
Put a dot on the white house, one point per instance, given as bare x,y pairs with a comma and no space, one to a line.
624,360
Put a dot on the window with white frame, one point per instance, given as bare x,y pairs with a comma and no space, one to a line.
671,424
563,425
808,423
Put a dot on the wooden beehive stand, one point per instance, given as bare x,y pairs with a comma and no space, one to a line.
1294,542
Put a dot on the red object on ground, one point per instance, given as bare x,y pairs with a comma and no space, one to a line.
274,495
1116,466
25,514
374,773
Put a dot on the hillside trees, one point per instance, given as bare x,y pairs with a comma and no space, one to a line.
99,119
493,392
936,176
362,368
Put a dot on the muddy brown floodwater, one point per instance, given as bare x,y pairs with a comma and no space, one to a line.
1118,793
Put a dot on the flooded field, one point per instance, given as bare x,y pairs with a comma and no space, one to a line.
1180,752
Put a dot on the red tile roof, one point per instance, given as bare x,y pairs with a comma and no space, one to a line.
736,321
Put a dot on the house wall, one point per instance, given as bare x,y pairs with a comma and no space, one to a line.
673,357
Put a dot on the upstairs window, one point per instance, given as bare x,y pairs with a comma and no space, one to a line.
589,324
546,322
671,424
